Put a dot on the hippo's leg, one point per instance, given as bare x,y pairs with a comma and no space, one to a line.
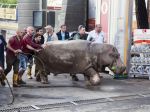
92,77
38,78
87,80
74,77
44,77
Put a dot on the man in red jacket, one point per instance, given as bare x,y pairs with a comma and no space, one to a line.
28,48
13,49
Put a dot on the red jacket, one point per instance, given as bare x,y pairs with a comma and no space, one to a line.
27,40
15,44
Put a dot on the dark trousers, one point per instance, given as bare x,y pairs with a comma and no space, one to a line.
2,60
12,61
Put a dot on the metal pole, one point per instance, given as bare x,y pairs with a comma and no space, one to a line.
130,14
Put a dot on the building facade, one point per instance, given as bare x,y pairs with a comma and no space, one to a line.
113,15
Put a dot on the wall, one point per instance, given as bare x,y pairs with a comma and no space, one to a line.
73,14
25,12
116,19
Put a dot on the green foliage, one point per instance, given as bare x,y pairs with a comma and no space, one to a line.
8,1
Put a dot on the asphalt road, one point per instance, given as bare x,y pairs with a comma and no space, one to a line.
63,95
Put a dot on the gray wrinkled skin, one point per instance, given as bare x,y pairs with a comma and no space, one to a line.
79,56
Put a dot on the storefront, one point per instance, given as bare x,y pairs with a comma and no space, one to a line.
114,17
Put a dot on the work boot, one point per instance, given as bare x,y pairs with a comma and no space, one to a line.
15,80
2,79
29,73
20,81
2,82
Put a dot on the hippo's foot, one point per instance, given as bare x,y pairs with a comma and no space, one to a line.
38,79
55,74
88,83
75,78
44,82
100,75
93,77
95,80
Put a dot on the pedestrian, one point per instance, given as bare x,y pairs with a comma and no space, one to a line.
12,60
40,31
37,40
97,35
28,48
50,35
2,49
38,73
81,34
63,34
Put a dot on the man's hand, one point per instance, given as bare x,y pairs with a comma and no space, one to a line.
18,51
38,50
44,46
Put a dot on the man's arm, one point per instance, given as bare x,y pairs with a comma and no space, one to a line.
10,48
32,44
5,44
89,37
31,48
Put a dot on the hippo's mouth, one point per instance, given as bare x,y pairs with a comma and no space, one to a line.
117,70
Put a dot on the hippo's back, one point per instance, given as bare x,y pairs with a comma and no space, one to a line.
66,56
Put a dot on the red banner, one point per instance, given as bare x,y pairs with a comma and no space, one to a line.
104,17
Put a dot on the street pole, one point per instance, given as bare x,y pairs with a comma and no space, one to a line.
130,14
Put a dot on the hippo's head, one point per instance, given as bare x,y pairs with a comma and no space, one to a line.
111,59
117,65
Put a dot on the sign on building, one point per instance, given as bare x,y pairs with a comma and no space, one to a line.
8,13
141,36
54,4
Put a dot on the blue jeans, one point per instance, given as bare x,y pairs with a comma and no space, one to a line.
23,60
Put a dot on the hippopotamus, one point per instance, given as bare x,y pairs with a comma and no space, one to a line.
78,56
2,76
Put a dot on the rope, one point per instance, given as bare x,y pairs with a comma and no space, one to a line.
36,58
11,91
13,97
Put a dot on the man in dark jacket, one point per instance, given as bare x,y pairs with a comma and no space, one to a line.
63,34
2,76
2,46
81,34
28,47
